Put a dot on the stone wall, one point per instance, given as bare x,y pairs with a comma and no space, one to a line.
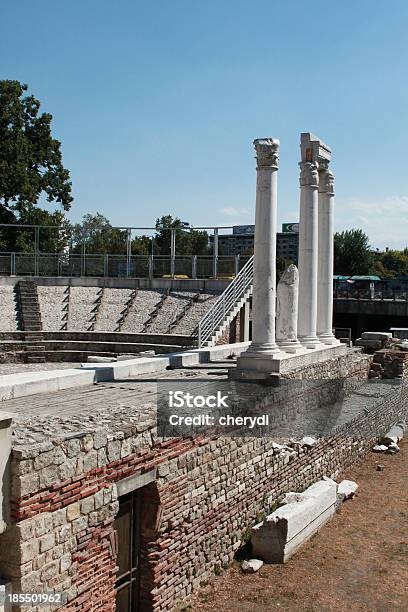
196,513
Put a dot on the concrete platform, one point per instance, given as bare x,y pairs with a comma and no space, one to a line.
261,368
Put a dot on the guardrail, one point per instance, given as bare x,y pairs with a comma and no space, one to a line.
223,306
133,266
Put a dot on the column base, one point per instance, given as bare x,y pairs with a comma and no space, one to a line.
290,346
262,350
310,342
328,338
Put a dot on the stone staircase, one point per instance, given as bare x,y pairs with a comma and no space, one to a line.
31,321
227,306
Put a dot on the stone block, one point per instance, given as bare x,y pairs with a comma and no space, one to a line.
73,511
376,335
47,542
284,531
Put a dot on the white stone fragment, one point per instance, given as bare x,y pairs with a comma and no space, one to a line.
380,448
346,489
393,448
308,441
251,566
395,434
98,359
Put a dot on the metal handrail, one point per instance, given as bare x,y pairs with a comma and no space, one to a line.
225,303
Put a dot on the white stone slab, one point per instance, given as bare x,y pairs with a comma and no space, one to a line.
125,369
282,533
31,383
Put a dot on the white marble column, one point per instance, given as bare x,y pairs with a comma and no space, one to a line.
308,244
325,255
264,285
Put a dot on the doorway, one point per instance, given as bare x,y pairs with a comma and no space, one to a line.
127,525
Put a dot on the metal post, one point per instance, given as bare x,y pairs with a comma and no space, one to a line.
106,265
194,266
215,253
172,251
150,267
128,251
236,265
83,256
12,264
36,248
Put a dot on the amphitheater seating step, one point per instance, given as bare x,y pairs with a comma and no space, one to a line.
29,306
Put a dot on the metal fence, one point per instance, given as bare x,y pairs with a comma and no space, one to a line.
391,290
120,266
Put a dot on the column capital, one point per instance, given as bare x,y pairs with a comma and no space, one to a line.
267,153
309,176
326,180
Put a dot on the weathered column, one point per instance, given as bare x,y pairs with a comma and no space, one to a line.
308,237
287,311
325,255
264,285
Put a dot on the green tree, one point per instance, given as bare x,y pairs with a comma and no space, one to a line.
391,263
282,264
352,253
98,236
30,158
188,240
142,245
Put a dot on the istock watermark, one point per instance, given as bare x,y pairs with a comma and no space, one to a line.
181,399
293,409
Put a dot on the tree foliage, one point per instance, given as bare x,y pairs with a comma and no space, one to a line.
30,158
352,253
188,241
96,235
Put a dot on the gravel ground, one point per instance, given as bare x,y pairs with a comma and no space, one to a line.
357,562
15,368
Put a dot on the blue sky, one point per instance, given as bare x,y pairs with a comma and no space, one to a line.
157,103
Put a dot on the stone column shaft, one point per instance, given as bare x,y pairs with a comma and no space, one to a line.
308,263
264,284
325,256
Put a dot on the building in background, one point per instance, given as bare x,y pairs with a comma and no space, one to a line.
241,241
